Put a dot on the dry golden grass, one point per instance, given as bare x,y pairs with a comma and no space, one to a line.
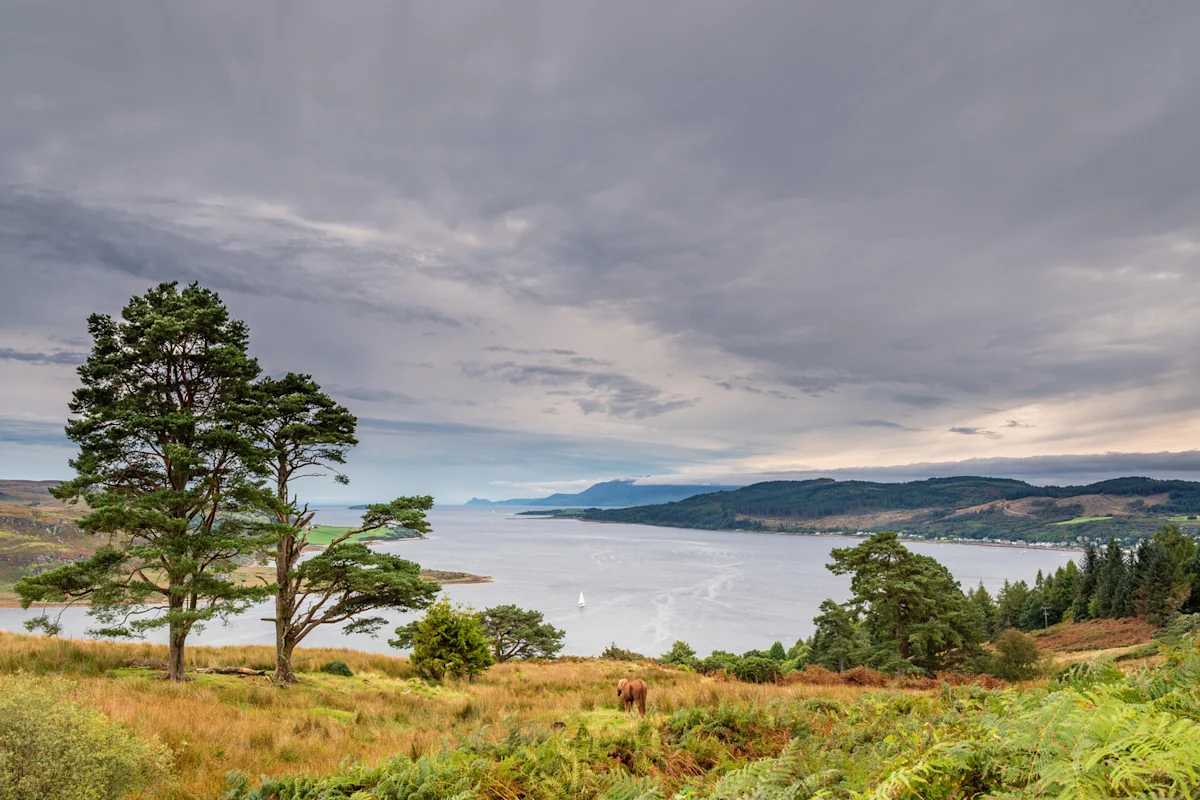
218,723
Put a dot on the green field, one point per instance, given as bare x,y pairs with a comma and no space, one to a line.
323,535
1078,520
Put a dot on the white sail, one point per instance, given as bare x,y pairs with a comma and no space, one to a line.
581,602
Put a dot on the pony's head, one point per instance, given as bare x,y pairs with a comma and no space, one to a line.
621,686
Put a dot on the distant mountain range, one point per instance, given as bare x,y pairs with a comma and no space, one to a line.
610,494
972,508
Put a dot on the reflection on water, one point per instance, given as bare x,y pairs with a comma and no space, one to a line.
645,586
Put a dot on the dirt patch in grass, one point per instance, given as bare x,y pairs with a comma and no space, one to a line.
1096,634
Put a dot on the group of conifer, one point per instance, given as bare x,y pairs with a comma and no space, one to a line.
188,459
1153,581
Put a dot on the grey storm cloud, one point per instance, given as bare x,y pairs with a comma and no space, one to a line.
683,212
883,423
371,395
525,351
965,430
596,392
45,231
31,432
741,383
920,400
57,357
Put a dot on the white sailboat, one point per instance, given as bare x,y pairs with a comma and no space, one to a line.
581,600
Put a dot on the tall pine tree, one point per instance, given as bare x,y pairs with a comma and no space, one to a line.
166,464
301,432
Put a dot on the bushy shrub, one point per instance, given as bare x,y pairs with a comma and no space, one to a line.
824,705
614,653
719,660
53,748
448,640
338,668
1017,656
757,669
681,654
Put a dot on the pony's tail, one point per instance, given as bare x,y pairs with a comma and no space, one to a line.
642,703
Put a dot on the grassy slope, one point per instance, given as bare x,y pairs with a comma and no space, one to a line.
219,723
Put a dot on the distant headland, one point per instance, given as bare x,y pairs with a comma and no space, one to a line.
611,494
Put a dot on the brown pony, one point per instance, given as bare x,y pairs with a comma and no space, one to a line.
631,692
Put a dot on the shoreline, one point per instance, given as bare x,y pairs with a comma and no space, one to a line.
441,577
848,536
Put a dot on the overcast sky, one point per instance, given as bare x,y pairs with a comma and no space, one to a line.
537,245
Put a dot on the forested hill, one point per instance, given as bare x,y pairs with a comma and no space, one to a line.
963,507
610,494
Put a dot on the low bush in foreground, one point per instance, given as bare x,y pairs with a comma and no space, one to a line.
338,667
53,748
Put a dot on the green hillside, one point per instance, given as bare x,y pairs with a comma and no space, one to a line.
969,507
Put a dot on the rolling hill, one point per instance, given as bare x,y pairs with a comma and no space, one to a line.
968,507
36,529
611,494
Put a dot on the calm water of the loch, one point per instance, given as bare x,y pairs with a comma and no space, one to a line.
645,587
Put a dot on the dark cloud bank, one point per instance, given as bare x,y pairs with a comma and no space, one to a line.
720,233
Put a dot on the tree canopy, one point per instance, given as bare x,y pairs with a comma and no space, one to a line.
909,603
517,633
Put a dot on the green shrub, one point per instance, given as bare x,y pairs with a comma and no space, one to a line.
681,655
757,669
53,748
338,668
717,661
614,653
448,640
1017,656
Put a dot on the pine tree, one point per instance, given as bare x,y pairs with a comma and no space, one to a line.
167,466
1192,604
838,642
1010,602
1062,592
300,431
1034,611
1108,583
1088,576
910,603
982,601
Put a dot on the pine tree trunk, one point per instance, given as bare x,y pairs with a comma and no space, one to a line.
284,644
283,662
175,666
